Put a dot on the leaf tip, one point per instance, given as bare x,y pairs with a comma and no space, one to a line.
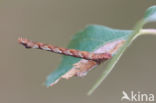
150,14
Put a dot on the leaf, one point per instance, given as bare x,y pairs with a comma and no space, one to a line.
150,16
89,39
96,38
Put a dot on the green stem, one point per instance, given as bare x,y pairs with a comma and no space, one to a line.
115,59
148,31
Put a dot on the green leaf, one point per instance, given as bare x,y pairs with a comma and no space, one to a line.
150,16
89,39
95,36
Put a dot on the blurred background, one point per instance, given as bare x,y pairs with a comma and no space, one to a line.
23,72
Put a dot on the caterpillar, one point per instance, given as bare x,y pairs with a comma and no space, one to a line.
98,57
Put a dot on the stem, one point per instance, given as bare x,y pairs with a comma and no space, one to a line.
148,31
115,59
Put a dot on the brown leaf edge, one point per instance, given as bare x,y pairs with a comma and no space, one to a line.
82,67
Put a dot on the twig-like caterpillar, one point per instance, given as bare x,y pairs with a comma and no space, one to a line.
98,57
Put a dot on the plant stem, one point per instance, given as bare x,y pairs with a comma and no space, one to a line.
137,32
148,31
